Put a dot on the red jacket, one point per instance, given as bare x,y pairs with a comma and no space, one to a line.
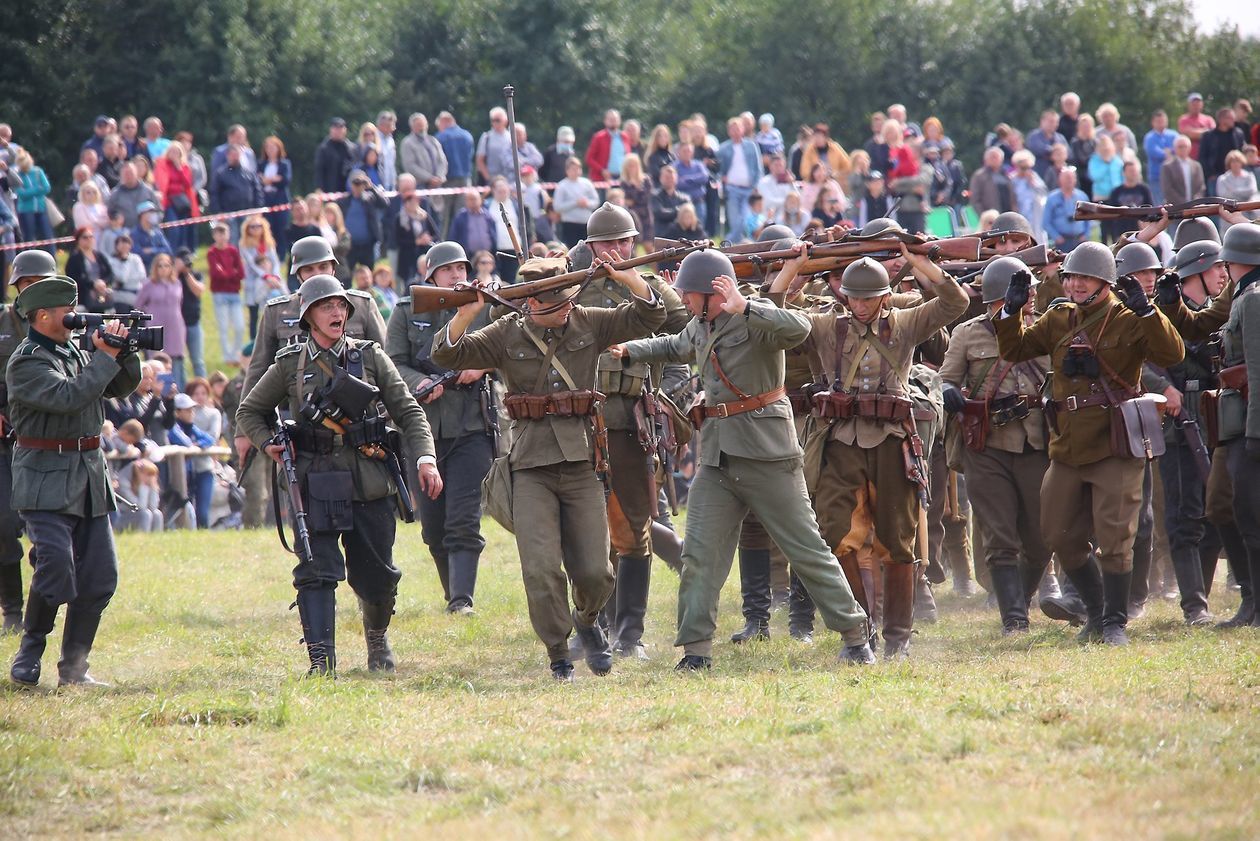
171,181
901,164
226,269
597,154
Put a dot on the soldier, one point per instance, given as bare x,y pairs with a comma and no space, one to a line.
750,459
1005,455
1097,343
61,486
548,357
28,267
349,489
462,417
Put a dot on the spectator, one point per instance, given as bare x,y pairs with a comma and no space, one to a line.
637,188
457,144
262,268
1109,124
93,274
483,266
660,151
686,225
574,199
1253,158
361,279
369,164
901,161
1069,113
144,171
200,468
162,295
603,155
1042,139
499,205
386,125
693,175
154,143
873,203
828,208
912,191
193,285
338,237
1062,229
275,174
1216,144
238,137
112,159
755,218
797,150
1131,192
227,272
557,154
1058,160
739,165
235,187
100,130
667,199
422,155
197,164
1194,123
129,131
110,235
990,188
361,210
1157,144
128,273
1081,149
1237,182
854,184
934,134
179,198
334,158
769,139
792,215
383,292
492,145
774,186
89,211
473,227
537,205
31,187
875,146
148,239
1242,117
910,130
1029,187
952,189
526,152
415,230
137,482
822,149
634,138
80,175
1181,178
820,181
154,409
300,225
1106,169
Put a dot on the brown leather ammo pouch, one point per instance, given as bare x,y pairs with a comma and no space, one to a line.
330,500
836,405
1137,428
974,422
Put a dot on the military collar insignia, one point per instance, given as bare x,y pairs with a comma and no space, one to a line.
60,348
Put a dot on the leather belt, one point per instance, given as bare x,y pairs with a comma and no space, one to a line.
1072,403
739,407
61,445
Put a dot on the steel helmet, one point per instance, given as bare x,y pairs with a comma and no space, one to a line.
308,251
865,278
34,262
880,225
772,232
581,256
699,268
1242,245
1197,258
997,276
1091,259
319,288
444,254
610,222
1195,230
1011,222
1137,257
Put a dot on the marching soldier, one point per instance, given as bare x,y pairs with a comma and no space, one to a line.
1005,454
333,383
548,357
1097,343
750,459
462,415
28,267
61,485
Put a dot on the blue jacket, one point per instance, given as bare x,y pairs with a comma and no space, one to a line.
463,221
1157,145
752,155
149,244
458,145
277,193
31,190
1057,217
234,188
693,180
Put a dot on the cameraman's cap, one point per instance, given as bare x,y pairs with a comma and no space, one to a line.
183,401
56,291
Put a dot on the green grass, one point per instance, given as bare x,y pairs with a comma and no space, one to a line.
209,731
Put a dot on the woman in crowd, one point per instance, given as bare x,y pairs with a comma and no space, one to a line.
575,200
315,212
934,133
1110,126
369,135
660,151
88,268
1029,187
686,226
89,210
370,163
262,268
820,181
144,171
793,216
1106,173
128,271
828,207
161,295
1237,182
417,231
637,189
855,181
179,197
300,226
1081,149
31,188
383,292
339,238
901,161
275,172
484,266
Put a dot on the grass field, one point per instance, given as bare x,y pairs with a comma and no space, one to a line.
209,731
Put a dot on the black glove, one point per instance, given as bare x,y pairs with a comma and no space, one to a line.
1133,295
1253,449
1168,288
1017,292
954,400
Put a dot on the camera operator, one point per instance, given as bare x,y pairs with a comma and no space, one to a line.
60,485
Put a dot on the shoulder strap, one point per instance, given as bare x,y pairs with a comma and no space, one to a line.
842,335
872,341
717,369
549,361
1073,330
1108,371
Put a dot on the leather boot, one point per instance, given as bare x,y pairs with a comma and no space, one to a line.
899,586
76,644
462,581
443,564
754,584
1188,567
595,645
800,611
1068,607
924,601
318,611
11,597
633,580
1037,582
667,545
36,626
1236,555
376,616
1008,587
1088,583
1116,591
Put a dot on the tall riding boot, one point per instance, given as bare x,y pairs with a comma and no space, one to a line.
899,584
462,581
1188,567
318,611
1009,588
800,610
443,564
667,546
924,601
36,626
1088,583
633,580
1116,592
1069,607
754,581
1253,568
1236,555
11,597
76,644
376,616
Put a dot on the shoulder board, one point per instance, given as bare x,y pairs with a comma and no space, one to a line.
283,299
289,349
1063,305
359,293
978,321
361,343
26,349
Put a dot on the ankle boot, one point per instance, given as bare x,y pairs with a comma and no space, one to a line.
633,581
318,611
899,587
11,597
37,625
800,610
1116,592
1009,588
462,581
595,645
376,618
76,644
1087,581
667,545
754,582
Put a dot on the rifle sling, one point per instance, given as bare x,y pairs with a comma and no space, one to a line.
873,341
549,360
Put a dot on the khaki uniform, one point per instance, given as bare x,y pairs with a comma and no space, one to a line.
556,497
750,461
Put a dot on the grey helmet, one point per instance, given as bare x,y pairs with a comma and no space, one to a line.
997,277
33,262
581,256
444,254
1195,230
865,278
610,222
1137,257
1197,258
880,225
770,233
1091,259
308,251
698,269
1242,245
1011,222
320,288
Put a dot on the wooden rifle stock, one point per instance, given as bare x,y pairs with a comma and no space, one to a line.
1034,257
1209,206
1090,212
836,255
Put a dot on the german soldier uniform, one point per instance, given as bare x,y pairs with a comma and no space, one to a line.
61,485
349,490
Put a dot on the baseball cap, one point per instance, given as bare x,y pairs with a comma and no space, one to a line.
528,170
1194,96
183,401
337,122
145,207
184,253
101,120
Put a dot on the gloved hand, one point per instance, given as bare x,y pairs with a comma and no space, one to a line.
1017,292
1168,288
954,400
1253,449
1133,296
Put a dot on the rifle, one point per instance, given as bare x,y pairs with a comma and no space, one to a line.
1194,440
489,411
432,298
288,463
434,383
836,255
1033,257
1208,206
660,437
509,94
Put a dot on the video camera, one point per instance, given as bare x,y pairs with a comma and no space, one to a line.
138,336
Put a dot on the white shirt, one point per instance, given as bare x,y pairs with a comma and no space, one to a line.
1185,174
738,174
